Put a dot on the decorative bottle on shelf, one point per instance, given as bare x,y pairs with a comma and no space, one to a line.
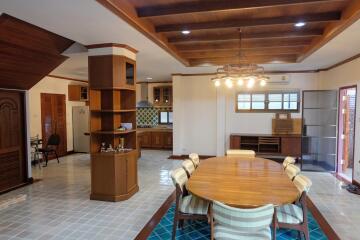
103,147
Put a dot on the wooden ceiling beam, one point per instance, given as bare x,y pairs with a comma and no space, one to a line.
349,16
234,36
248,52
234,45
319,17
217,5
265,59
126,11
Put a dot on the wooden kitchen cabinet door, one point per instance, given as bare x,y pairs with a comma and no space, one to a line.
146,139
157,139
291,146
168,140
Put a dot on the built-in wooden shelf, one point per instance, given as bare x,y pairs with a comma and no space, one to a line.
114,132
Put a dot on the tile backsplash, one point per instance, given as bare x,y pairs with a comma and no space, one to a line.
149,116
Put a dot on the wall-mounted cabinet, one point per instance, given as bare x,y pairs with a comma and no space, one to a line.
78,93
162,96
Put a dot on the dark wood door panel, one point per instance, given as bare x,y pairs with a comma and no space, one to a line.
12,140
53,119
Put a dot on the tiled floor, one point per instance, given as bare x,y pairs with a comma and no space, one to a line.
59,207
339,207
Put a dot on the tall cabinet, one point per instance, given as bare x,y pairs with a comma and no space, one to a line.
112,74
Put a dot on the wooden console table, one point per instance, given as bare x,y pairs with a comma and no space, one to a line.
268,144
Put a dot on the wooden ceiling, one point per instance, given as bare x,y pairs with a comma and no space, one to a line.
268,31
28,53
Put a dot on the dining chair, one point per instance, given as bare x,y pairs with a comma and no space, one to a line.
229,223
240,153
194,157
288,160
187,206
188,166
292,171
51,147
294,216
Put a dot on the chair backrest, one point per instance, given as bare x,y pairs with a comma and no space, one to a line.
240,153
292,171
194,157
244,220
302,183
188,166
54,140
288,160
179,178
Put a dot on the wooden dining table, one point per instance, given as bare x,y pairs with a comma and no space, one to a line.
242,182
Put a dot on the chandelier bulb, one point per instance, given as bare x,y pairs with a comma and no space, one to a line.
229,83
240,82
217,83
262,83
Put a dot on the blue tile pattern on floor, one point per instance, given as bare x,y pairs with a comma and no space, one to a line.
200,230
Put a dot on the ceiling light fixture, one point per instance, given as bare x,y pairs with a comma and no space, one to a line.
300,24
246,73
185,32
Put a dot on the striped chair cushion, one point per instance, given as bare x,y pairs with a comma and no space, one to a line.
302,183
289,213
224,233
240,153
194,157
194,205
243,220
292,170
288,160
179,176
188,166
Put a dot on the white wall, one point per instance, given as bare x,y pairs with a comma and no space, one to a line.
346,75
56,86
204,116
195,113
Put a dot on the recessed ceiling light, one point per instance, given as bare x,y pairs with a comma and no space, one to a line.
149,78
185,32
299,24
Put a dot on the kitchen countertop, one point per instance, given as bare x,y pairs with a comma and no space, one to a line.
155,129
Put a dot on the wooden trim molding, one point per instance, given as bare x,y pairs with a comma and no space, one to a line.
325,226
105,45
151,224
68,78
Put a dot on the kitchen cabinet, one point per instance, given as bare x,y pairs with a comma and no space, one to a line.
77,93
157,139
162,96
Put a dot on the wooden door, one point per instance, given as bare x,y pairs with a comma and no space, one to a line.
157,140
13,167
53,119
146,139
168,140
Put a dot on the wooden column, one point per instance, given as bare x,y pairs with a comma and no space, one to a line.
112,76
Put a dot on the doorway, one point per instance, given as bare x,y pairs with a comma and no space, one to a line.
346,132
53,119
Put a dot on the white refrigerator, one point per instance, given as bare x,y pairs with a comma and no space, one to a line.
81,134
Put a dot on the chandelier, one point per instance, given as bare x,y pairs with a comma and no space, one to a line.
243,74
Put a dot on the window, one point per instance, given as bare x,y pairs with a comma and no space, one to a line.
275,101
165,117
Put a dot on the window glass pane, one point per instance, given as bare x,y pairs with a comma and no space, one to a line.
275,97
290,105
294,97
170,117
258,105
163,117
244,105
286,96
275,105
244,98
258,97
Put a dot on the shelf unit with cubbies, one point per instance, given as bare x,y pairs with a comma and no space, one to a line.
112,97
